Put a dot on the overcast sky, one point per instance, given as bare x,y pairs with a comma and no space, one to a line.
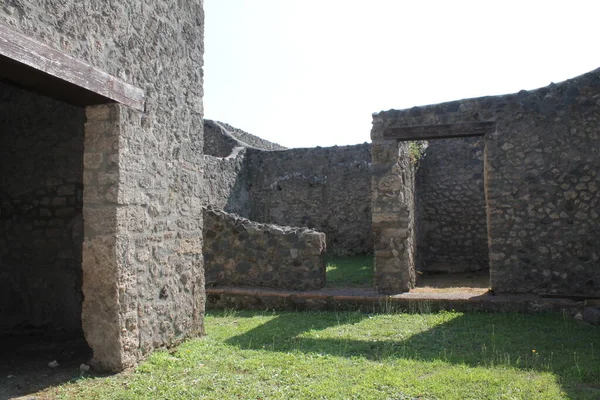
307,73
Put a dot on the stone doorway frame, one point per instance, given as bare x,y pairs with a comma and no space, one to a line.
393,202
36,67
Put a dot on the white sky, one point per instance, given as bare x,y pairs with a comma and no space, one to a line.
307,73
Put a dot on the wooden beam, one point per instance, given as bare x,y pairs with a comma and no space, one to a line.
35,65
427,132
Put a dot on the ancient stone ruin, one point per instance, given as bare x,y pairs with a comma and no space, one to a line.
240,252
101,141
540,180
116,195
508,184
327,189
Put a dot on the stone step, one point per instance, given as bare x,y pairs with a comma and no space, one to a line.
368,300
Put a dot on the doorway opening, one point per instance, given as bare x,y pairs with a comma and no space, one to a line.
451,220
41,233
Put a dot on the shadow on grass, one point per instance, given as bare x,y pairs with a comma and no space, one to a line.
477,279
542,343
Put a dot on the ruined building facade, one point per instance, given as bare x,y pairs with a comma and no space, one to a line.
540,180
327,189
101,141
106,180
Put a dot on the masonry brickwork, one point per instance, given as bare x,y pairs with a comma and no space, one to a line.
220,139
225,182
541,182
240,252
145,183
326,189
142,247
394,211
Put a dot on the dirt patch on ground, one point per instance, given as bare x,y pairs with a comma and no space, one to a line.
468,282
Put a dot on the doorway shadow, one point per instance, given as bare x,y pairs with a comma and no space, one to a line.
33,360
540,343
463,280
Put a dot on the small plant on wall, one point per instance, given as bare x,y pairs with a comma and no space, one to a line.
416,150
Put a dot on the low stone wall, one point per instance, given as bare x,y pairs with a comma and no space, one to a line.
239,252
452,228
368,301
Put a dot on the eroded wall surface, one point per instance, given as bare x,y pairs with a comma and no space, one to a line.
225,183
394,210
240,252
452,219
326,189
142,251
541,183
216,142
41,226
220,139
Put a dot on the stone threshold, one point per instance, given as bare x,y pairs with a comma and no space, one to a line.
368,300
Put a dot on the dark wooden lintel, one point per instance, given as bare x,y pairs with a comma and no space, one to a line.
38,67
427,132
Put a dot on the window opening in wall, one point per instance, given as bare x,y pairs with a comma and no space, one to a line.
451,223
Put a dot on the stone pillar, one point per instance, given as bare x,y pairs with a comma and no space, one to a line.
393,212
101,275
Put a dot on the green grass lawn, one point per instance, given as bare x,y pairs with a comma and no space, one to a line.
352,271
448,355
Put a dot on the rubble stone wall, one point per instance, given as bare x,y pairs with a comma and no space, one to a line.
142,170
225,183
217,142
41,225
239,252
327,189
541,183
246,139
452,220
220,139
394,211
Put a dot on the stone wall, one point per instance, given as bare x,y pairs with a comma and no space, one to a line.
225,183
239,252
541,183
220,139
41,226
327,189
394,210
452,234
217,142
142,253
